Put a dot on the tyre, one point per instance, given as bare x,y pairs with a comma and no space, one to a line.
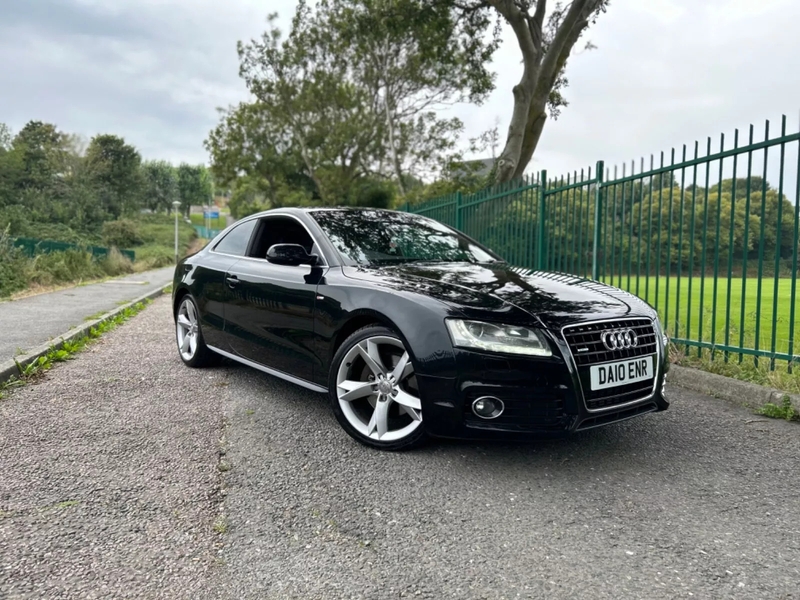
191,346
374,390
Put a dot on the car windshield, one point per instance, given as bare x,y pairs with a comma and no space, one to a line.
378,237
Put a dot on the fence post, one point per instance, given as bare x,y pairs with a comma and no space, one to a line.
598,220
458,211
540,261
406,208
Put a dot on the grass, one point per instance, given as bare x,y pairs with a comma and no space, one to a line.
785,411
218,223
44,272
158,241
689,321
220,525
68,349
693,322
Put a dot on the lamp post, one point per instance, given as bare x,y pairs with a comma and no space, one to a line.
176,205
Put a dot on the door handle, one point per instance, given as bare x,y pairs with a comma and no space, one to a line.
231,280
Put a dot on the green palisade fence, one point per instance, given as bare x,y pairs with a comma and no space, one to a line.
708,236
32,247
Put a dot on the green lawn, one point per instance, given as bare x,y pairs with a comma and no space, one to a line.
687,320
219,223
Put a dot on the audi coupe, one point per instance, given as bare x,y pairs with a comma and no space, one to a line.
414,329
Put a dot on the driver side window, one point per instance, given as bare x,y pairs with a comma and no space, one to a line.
278,230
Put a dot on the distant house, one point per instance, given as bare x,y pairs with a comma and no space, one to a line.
480,167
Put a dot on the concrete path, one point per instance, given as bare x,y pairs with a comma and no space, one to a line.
29,322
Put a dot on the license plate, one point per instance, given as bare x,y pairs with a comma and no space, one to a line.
622,372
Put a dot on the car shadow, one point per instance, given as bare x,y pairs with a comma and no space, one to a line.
643,442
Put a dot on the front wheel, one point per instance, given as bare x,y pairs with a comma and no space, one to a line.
374,390
191,345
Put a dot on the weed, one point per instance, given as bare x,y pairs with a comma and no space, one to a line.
67,349
785,411
95,316
220,525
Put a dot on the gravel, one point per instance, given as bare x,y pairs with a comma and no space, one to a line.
700,501
109,484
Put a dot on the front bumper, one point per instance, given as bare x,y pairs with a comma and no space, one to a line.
543,397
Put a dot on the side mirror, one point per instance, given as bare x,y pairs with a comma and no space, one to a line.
290,254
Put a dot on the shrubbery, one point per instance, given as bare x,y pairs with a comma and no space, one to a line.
18,271
123,233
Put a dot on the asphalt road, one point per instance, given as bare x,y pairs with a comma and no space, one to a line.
110,486
29,322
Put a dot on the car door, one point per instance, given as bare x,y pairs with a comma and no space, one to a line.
271,318
210,290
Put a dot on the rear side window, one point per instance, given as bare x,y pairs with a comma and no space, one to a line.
237,239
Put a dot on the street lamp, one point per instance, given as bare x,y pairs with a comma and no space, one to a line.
176,205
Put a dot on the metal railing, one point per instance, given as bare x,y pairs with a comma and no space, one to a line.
32,247
703,237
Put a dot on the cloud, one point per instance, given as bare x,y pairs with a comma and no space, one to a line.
666,72
154,72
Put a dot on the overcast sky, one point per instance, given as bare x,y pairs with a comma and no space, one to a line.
666,72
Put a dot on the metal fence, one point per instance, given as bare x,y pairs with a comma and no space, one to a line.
709,238
207,233
32,247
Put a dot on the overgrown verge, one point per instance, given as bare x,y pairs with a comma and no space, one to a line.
783,411
781,377
68,349
18,271
150,236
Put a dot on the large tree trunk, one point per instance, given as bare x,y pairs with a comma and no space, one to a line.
540,73
528,36
533,132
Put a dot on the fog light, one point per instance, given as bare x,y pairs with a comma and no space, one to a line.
488,407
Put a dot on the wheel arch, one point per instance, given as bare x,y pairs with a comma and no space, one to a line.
358,320
177,297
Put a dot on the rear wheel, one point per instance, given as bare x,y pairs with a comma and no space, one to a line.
191,346
374,390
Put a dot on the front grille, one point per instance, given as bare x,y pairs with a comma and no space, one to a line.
588,349
526,409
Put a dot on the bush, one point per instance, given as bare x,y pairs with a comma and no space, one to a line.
62,267
116,263
122,234
13,266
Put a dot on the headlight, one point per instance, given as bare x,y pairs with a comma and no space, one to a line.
661,331
497,338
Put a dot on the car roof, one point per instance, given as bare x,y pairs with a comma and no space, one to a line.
298,210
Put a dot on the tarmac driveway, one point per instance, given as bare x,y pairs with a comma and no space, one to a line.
124,474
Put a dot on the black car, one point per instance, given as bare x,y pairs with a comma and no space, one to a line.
415,329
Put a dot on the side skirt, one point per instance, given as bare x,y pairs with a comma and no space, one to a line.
274,372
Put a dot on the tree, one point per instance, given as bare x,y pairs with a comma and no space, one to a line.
194,186
113,168
407,54
43,151
160,181
5,137
347,96
545,43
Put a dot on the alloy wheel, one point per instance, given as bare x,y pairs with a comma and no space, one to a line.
377,391
187,329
